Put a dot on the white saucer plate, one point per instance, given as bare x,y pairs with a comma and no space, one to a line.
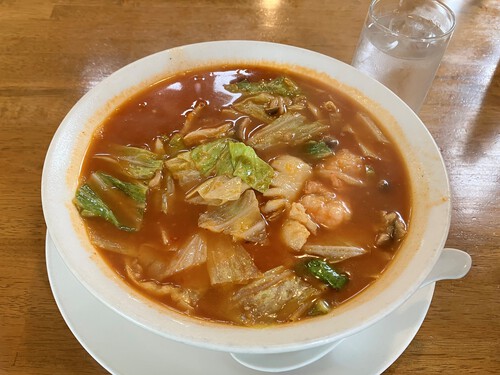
124,348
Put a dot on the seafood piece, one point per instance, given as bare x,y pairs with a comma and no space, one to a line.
326,210
343,168
394,229
297,227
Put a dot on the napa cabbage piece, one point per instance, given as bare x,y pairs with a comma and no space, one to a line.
240,219
137,163
174,145
204,134
217,191
89,204
184,170
279,295
292,129
372,127
282,86
118,202
212,158
119,242
192,253
185,299
249,167
230,158
229,262
155,266
255,106
136,191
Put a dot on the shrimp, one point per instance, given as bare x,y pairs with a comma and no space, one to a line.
343,168
326,210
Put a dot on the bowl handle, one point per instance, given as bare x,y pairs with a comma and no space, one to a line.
452,264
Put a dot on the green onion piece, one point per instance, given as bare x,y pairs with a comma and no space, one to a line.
325,273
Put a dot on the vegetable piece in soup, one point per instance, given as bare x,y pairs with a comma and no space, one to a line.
247,195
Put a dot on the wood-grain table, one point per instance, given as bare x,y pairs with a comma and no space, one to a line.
53,52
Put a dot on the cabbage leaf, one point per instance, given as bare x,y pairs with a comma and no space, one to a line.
135,162
292,129
184,298
282,86
229,262
192,253
184,170
217,191
230,158
202,135
136,191
212,158
278,295
175,145
89,204
119,242
249,167
118,202
240,219
255,106
334,254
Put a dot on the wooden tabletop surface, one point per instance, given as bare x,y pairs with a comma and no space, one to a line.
52,52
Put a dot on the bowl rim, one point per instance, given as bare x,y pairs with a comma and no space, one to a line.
78,125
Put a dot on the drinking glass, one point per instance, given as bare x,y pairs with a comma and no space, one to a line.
402,44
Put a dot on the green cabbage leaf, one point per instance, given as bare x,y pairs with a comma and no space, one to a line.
217,191
292,129
278,294
241,219
118,202
225,157
137,163
282,86
255,106
184,170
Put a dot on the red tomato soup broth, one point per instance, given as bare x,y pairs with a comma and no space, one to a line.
244,195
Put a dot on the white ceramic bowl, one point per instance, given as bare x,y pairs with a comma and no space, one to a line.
412,265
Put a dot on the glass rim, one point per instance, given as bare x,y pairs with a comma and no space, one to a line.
446,8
